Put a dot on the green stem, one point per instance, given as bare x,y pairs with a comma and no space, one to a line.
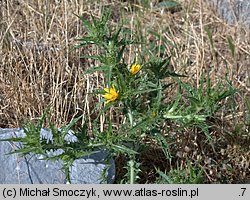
132,172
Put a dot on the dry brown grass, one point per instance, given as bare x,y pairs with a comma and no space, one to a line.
40,68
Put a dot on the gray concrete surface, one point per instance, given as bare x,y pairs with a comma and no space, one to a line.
29,169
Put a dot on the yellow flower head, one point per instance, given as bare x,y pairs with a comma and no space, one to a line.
111,94
135,68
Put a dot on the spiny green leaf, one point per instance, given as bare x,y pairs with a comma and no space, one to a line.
123,149
168,4
164,145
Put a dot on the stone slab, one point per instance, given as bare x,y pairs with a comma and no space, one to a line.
31,170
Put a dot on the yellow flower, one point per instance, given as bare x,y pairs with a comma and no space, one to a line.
111,94
135,68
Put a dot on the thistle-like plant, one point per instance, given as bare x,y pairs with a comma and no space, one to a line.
134,90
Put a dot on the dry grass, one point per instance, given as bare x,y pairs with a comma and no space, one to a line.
40,68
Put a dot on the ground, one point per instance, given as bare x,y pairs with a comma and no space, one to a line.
39,67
